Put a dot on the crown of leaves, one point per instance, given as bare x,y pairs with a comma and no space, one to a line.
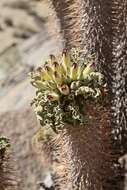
64,86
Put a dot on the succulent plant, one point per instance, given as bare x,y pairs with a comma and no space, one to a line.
64,87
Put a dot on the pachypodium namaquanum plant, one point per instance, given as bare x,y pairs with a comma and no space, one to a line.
64,87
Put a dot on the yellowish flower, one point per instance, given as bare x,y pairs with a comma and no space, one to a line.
48,72
64,89
52,58
66,62
57,77
74,72
53,96
56,66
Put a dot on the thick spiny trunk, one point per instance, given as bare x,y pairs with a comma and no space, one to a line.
7,174
84,156
119,65
68,14
104,32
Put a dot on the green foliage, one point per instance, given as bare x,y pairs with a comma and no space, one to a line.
65,87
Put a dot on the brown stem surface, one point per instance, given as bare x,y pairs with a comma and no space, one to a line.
85,156
8,179
68,15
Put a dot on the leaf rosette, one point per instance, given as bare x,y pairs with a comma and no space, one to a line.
64,86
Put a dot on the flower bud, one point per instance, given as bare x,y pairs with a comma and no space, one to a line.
57,78
48,72
64,89
74,71
66,61
48,69
56,66
52,96
52,59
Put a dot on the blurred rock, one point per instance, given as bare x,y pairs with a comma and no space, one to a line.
20,126
36,50
25,42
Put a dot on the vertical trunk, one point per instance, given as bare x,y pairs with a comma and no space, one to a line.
68,14
104,32
85,155
7,174
119,65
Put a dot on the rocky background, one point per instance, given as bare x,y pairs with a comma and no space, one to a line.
26,39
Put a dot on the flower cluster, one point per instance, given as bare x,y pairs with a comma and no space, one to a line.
63,88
